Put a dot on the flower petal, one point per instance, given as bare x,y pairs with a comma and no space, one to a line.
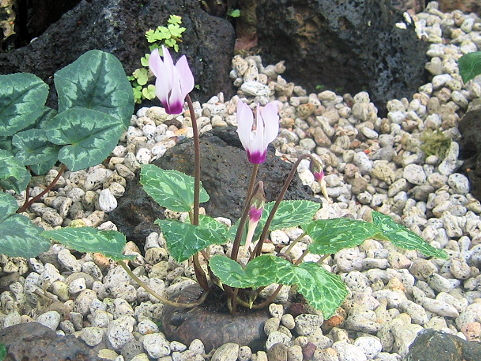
155,63
244,123
162,90
271,121
185,75
176,99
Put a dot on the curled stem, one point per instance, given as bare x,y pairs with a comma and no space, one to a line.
29,202
156,295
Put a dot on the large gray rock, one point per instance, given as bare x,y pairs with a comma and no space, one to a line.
118,26
225,174
435,345
35,342
353,45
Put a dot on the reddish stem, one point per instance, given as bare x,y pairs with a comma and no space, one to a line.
28,202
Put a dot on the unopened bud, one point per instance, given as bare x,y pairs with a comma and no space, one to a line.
316,170
257,203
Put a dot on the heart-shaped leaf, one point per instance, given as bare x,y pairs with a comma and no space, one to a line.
332,235
470,66
19,237
97,81
171,189
22,98
404,238
33,148
184,239
88,136
322,289
89,239
13,174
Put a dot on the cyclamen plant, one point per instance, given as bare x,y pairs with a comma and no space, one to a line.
107,106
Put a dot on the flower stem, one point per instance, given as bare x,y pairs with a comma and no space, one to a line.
199,272
29,202
156,295
245,213
280,197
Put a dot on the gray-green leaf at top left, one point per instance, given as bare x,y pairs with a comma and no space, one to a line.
22,99
89,239
87,136
19,237
97,81
13,174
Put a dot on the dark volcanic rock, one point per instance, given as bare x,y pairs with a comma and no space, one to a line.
118,27
35,342
353,45
470,147
225,174
212,325
432,345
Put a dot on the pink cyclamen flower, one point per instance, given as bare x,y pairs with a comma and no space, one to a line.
256,136
173,82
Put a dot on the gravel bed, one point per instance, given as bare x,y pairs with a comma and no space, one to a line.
370,163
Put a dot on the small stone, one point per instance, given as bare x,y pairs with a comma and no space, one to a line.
276,310
245,353
414,174
119,331
288,321
51,319
307,323
92,336
107,201
271,325
370,345
156,345
278,352
348,352
277,337
226,352
459,183
294,353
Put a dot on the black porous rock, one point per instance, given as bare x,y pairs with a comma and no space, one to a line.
225,174
212,323
349,45
432,345
35,342
470,147
118,27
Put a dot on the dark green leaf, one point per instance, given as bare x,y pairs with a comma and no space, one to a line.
97,81
88,239
404,238
88,136
332,235
13,174
19,237
184,239
34,148
323,290
3,351
170,188
22,98
6,144
470,66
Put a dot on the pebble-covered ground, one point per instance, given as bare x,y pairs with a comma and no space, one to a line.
370,162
